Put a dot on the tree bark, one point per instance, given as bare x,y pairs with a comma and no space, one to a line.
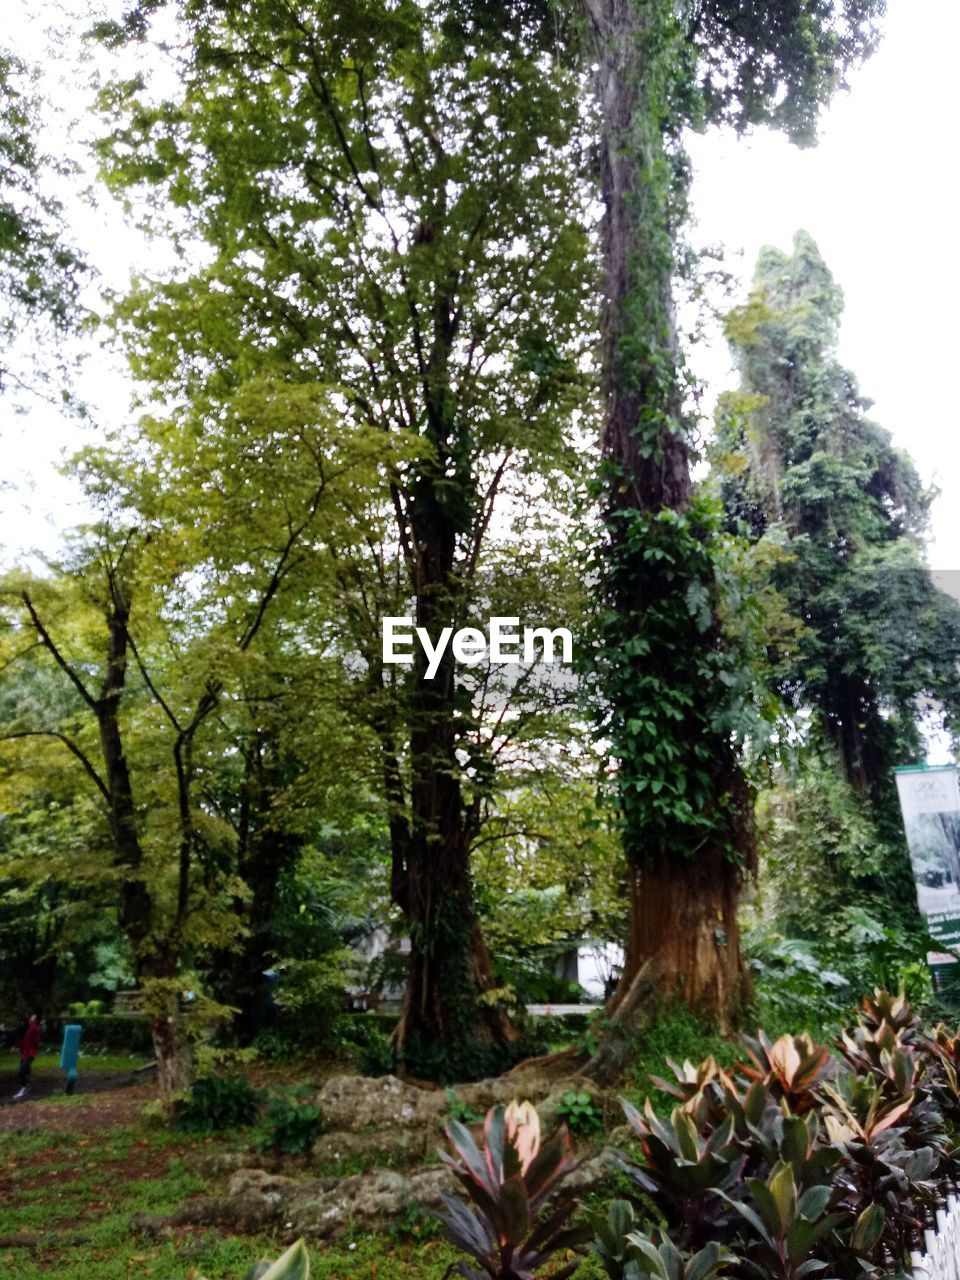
684,881
171,1044
445,1028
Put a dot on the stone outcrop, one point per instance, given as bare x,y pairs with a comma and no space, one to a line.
317,1208
387,1119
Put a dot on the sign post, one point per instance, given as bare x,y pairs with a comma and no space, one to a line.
930,804
70,1054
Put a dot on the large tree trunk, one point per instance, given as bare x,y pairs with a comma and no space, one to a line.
160,995
445,1030
685,871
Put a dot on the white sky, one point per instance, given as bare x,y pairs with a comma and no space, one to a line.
879,195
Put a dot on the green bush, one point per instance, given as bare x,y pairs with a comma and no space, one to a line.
461,1111
363,1037
579,1112
129,1034
273,1045
293,1124
791,1160
218,1102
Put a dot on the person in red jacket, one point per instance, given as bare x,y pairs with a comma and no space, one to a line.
29,1047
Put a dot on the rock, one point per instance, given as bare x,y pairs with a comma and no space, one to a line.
371,1201
319,1208
545,1091
405,1145
249,1213
358,1102
260,1182
589,1174
214,1164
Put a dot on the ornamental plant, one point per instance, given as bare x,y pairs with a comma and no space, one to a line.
798,1160
294,1264
505,1226
627,1253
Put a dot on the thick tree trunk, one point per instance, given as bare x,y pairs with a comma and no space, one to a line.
445,1030
685,877
171,1048
156,975
684,934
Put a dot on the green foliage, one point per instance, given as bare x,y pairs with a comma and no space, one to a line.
796,1160
431,280
88,1008
293,1264
799,461
368,1045
42,272
810,984
627,1253
460,1111
310,996
793,986
218,1102
415,1223
117,1032
579,1112
293,1124
273,1046
676,1034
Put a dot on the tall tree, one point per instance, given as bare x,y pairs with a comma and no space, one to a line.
150,636
385,193
670,676
880,643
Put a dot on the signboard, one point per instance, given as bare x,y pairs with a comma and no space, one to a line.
930,804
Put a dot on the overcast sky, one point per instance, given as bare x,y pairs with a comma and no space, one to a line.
879,195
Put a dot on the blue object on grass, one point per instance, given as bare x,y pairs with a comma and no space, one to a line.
70,1053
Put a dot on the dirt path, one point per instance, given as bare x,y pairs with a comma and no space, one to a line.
103,1100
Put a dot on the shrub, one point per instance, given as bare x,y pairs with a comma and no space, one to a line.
796,1160
363,1037
218,1102
579,1112
293,1124
462,1111
273,1045
626,1253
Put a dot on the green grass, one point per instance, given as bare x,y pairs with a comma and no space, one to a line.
9,1061
71,1197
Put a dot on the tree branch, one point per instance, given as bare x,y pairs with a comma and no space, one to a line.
71,746
62,663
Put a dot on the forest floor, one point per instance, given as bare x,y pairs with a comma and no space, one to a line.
74,1172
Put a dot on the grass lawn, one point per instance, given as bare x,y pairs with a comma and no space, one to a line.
10,1061
66,1201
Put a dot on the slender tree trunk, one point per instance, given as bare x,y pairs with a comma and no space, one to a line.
686,863
171,1046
